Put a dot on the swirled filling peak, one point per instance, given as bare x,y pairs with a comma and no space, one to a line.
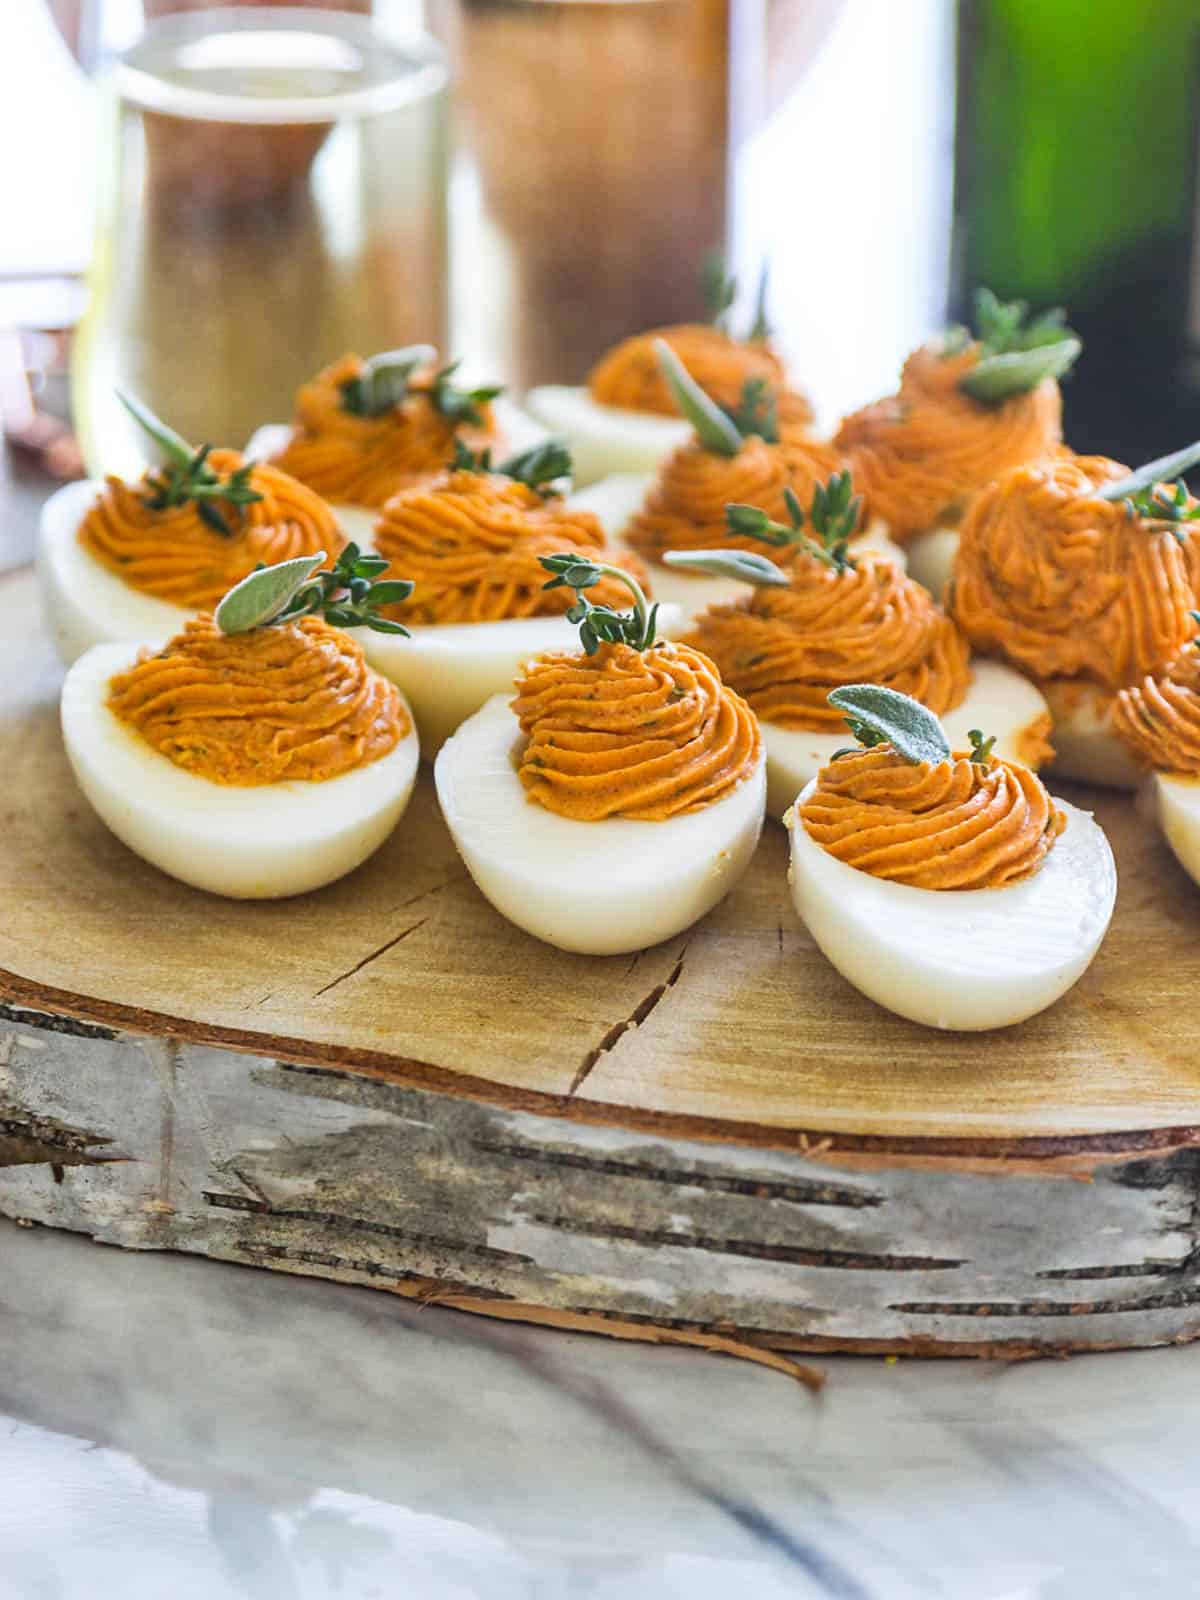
629,376
276,703
1068,585
646,734
685,510
471,542
175,555
1159,718
961,824
361,460
921,454
785,649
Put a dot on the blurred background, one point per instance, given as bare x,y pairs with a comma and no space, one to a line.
209,203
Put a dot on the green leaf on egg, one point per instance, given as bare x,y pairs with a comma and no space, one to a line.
715,430
265,594
744,565
876,715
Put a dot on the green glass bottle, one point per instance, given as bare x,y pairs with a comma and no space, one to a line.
1076,185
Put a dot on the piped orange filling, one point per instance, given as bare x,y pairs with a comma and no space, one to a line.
361,461
645,734
920,455
685,510
1159,718
174,555
296,701
629,375
1067,585
957,825
471,543
785,649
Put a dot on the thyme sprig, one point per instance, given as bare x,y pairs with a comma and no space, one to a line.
833,517
876,715
757,412
457,404
1149,494
981,748
541,466
384,381
720,290
348,594
601,624
1016,352
185,474
714,428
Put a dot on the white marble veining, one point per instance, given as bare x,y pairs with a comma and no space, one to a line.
174,1427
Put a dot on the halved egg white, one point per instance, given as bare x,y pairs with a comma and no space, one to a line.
598,888
605,439
1000,702
1085,746
613,503
1177,805
517,430
963,959
447,671
248,843
931,559
83,602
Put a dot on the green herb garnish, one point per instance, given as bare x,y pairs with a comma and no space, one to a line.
715,430
720,289
348,595
981,748
186,475
1015,353
745,565
540,467
757,412
1148,494
833,517
876,715
384,381
601,624
760,328
457,404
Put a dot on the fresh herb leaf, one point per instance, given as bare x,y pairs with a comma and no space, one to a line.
760,328
540,466
1149,495
757,412
745,565
1015,353
384,381
465,459
186,475
876,715
996,378
833,517
348,595
981,748
601,624
719,289
457,404
715,430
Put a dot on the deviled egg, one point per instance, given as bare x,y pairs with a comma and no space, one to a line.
255,754
948,887
1158,721
833,618
619,797
134,561
971,405
365,429
624,418
1072,570
471,540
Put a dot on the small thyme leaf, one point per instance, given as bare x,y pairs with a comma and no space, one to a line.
981,748
719,289
601,624
346,595
540,466
760,328
757,412
747,566
465,459
383,383
457,404
876,715
715,431
833,517
186,475
1015,353
1147,495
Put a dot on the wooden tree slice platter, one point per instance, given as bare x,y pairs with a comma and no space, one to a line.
716,1139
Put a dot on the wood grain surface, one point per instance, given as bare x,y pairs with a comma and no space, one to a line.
737,1030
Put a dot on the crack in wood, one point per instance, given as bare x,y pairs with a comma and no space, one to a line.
29,1140
386,1230
48,1022
1127,1269
795,1255
797,1191
635,1019
369,1269
1171,1299
366,961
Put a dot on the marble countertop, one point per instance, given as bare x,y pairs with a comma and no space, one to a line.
172,1426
